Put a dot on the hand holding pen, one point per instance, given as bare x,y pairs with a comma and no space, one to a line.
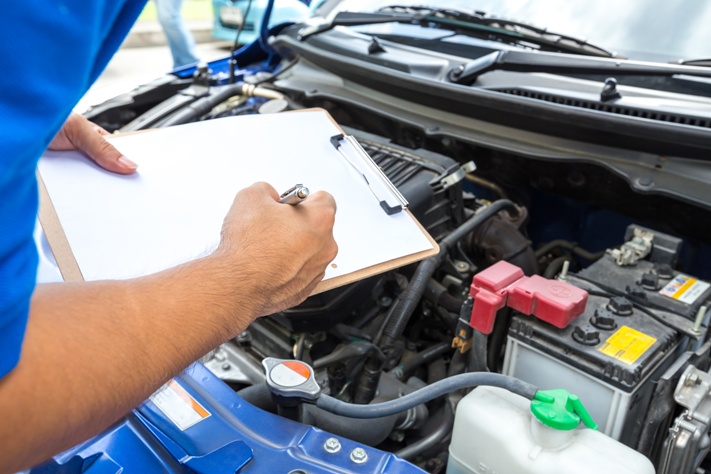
294,195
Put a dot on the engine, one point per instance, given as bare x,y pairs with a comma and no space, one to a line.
637,354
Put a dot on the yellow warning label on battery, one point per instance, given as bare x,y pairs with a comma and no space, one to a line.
627,345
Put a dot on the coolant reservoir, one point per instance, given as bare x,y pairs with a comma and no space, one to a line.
498,432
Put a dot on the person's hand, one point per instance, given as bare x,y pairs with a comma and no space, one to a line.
280,252
80,134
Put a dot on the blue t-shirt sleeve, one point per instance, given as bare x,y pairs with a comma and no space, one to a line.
51,53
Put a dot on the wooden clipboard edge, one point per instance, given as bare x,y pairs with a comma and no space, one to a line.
383,267
57,239
69,268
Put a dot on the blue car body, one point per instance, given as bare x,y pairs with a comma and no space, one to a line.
228,14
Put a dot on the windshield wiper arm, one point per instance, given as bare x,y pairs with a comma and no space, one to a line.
556,63
516,32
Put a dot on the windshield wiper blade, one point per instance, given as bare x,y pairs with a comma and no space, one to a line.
356,19
515,32
702,62
556,63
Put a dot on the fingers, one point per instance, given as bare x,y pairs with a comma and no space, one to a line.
80,134
285,249
265,189
89,139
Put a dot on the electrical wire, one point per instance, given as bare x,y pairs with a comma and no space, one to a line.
235,45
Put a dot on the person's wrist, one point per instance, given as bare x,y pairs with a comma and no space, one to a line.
235,283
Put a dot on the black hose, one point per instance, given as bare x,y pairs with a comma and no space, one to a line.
410,298
424,395
421,358
359,430
436,371
478,353
299,348
498,337
443,429
202,106
259,396
554,267
573,247
350,351
438,295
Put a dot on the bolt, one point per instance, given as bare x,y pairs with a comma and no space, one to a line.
226,366
645,182
692,379
244,338
332,445
359,456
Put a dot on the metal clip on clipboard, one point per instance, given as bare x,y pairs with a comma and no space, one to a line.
384,191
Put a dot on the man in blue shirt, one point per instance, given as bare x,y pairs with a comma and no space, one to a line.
75,357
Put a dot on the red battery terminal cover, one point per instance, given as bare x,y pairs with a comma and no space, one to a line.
503,284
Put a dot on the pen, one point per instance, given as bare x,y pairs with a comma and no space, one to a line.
294,195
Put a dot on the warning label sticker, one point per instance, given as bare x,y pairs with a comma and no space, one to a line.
627,345
178,405
685,289
290,373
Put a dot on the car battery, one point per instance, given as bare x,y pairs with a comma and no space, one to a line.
640,316
610,356
651,280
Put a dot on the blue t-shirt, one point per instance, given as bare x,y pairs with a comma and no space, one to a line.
50,53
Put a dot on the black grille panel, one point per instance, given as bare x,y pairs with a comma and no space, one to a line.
681,119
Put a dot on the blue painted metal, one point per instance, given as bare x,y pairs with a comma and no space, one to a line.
236,437
284,11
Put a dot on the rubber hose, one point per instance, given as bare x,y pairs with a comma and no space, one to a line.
350,351
357,429
424,395
202,106
438,294
422,357
370,432
413,294
478,352
259,396
554,267
443,429
586,254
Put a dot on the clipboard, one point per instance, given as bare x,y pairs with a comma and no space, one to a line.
69,265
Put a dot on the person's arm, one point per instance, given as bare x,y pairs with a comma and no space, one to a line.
93,351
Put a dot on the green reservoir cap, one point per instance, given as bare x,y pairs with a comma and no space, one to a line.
560,409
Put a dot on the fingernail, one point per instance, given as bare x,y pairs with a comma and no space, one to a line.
126,163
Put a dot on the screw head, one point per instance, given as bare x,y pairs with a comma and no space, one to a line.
692,379
332,445
359,456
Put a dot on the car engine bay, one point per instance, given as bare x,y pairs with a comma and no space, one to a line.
571,213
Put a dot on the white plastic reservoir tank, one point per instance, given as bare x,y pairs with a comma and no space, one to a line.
496,432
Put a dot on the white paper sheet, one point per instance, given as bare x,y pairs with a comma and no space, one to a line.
172,209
